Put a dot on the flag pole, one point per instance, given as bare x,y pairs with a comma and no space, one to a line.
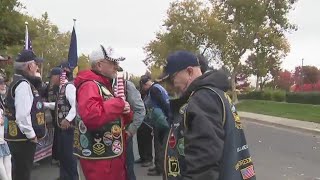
26,39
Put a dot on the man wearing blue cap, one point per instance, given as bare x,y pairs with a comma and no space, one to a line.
65,113
25,113
206,140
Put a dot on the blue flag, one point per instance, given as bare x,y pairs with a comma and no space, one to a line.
73,51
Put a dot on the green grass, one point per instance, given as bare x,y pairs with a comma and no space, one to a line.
305,112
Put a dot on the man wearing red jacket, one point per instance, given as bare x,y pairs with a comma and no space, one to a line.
99,134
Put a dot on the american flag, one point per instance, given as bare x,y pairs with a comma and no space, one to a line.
27,40
248,172
63,79
119,90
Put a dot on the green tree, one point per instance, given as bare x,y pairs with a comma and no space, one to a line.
245,20
83,62
188,27
11,24
225,29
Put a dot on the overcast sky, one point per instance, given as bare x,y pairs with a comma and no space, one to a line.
127,26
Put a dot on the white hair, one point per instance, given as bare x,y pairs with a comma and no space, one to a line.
21,65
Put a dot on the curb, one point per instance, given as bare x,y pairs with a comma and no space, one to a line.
300,129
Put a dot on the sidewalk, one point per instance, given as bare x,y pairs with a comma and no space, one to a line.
304,126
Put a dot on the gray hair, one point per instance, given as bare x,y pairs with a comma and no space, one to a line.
21,66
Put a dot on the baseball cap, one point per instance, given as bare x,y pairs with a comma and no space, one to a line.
144,79
55,71
64,64
28,55
101,53
177,61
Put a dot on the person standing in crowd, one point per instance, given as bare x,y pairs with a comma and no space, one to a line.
99,136
65,113
50,95
136,103
144,139
25,113
206,140
5,156
156,100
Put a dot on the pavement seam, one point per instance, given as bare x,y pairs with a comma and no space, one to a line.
301,129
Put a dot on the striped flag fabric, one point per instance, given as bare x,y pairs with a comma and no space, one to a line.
248,172
63,78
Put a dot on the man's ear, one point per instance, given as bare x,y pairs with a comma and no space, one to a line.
190,71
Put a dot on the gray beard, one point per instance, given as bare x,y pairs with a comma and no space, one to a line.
3,93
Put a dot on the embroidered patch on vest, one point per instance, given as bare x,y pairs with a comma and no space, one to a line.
107,138
13,130
181,146
173,168
40,118
248,172
86,152
82,127
116,147
116,131
98,148
84,141
76,140
172,141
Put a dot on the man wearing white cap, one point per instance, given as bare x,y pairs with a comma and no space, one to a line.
99,136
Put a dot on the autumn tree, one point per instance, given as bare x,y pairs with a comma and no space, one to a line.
284,80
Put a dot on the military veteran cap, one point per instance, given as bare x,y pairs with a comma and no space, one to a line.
28,55
178,61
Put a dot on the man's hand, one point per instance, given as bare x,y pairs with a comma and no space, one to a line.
34,140
65,124
126,108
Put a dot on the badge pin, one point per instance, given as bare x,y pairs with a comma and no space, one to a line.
39,105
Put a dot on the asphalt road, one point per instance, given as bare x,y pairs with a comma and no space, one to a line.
278,154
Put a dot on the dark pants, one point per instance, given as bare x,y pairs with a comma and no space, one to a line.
55,150
160,136
144,139
68,162
22,158
130,160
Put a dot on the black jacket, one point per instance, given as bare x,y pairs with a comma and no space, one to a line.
204,134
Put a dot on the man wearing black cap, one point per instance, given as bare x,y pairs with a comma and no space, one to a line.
156,100
25,113
206,140
50,95
65,113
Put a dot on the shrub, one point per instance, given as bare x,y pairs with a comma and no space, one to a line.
303,97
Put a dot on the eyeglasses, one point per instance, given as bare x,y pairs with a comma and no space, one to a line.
112,62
